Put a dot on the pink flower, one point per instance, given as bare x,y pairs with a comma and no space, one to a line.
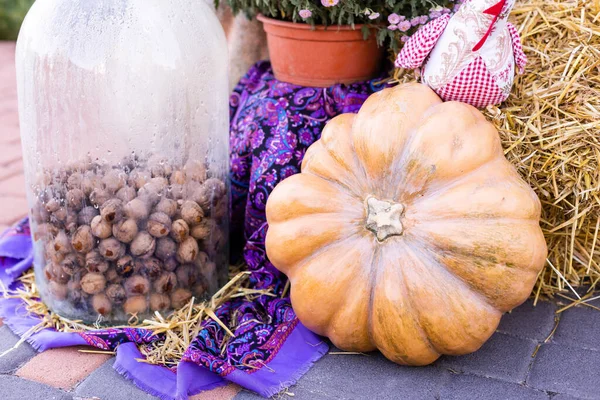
374,16
415,21
305,14
330,3
393,27
394,19
404,26
423,19
404,39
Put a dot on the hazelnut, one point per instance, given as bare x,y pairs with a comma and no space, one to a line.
86,215
180,298
100,227
165,248
159,224
136,209
191,213
167,206
76,199
195,170
139,177
187,250
152,267
62,244
126,194
114,180
112,210
187,275
116,294
125,266
201,231
101,304
179,230
177,178
111,249
70,264
125,230
135,305
159,302
93,283
143,245
137,284
58,291
99,196
170,264
165,283
94,262
83,240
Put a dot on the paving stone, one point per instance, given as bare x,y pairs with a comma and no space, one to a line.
15,388
107,384
12,360
465,387
360,376
530,322
13,208
14,185
577,327
567,370
221,393
62,368
502,357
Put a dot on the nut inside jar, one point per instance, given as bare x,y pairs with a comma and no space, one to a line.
141,236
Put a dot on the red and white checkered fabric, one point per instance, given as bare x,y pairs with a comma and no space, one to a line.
474,85
420,44
520,57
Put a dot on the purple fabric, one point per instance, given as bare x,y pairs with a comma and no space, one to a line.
272,125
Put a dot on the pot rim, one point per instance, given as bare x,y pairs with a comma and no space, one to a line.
303,26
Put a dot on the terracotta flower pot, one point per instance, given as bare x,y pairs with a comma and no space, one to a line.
321,56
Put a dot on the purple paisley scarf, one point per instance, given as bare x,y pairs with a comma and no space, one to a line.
272,125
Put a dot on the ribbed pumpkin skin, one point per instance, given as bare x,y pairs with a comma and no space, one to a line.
459,245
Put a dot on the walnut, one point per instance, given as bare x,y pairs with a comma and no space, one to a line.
112,210
125,230
114,180
139,177
58,291
165,248
83,241
76,199
86,215
137,284
152,267
165,282
136,209
94,262
111,249
187,275
126,194
99,196
170,264
62,244
179,230
70,264
180,297
100,227
159,302
143,245
125,266
75,181
201,231
216,187
159,224
187,250
52,205
112,276
167,206
135,305
191,213
195,170
93,283
116,294
101,304
177,178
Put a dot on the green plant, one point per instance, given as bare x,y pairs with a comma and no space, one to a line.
391,19
12,13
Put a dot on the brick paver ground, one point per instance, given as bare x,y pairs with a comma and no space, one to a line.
518,362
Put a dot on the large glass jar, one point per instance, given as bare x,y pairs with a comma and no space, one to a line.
124,121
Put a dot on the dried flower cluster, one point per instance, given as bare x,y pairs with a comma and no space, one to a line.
143,236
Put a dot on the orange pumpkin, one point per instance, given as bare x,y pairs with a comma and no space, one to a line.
407,230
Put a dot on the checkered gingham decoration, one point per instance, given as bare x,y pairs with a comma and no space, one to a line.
520,57
420,44
474,85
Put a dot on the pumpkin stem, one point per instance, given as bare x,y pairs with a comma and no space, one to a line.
384,218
